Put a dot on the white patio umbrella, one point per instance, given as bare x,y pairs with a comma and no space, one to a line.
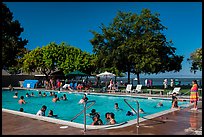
106,74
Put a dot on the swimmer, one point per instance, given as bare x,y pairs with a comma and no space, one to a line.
64,97
159,105
141,110
39,93
50,114
129,113
116,107
107,118
93,113
55,99
27,95
44,94
21,101
32,94
41,112
112,118
21,110
84,99
51,94
97,120
15,95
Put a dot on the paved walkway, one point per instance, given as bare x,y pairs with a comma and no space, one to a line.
181,122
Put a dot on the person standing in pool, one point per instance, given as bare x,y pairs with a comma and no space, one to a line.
93,113
112,118
55,99
41,112
21,101
174,101
84,99
97,120
107,118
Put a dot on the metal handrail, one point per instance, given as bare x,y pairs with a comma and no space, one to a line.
93,102
137,112
81,112
185,93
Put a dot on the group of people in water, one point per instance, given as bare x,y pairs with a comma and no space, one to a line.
54,99
41,112
109,116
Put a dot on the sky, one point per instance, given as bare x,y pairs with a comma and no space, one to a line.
71,22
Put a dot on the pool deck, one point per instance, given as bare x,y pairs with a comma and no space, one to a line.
180,122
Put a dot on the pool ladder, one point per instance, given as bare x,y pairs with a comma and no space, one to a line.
136,112
84,110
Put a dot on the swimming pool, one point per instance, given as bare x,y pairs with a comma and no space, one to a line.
66,110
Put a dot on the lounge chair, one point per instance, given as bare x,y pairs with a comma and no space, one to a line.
175,90
65,86
138,89
128,88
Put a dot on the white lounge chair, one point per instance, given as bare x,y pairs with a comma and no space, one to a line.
175,90
138,89
128,88
65,86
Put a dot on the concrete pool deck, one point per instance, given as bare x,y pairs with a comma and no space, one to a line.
181,122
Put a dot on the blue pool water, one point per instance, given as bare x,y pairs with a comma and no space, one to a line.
66,110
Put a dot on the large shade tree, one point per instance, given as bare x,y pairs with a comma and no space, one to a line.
196,60
62,57
135,44
13,46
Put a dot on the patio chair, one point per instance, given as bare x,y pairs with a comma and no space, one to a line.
65,86
138,89
128,88
175,90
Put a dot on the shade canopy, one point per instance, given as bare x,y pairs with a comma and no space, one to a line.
106,74
76,73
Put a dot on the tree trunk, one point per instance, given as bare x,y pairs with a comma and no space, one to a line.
128,77
138,78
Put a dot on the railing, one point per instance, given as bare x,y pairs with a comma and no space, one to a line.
185,93
136,112
84,110
93,102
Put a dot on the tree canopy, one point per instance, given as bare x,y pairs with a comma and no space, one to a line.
135,44
196,60
62,57
13,46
